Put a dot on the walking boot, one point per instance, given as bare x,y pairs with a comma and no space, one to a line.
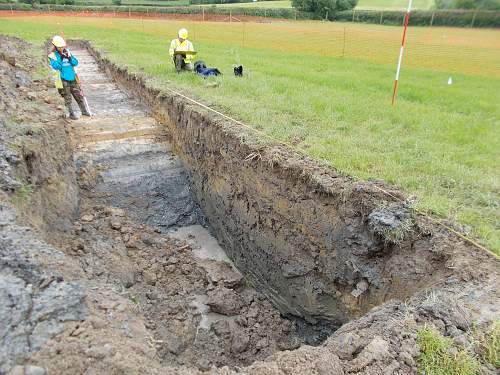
85,112
72,115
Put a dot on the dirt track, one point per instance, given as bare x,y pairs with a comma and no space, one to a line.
133,282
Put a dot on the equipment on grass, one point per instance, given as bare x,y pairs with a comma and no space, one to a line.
238,71
202,70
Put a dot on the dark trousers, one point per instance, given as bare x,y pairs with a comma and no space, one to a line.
180,64
72,89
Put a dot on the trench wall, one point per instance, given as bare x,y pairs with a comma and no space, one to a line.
299,230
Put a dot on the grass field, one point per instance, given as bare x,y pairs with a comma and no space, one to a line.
441,143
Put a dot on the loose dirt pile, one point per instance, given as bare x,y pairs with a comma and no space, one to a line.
132,281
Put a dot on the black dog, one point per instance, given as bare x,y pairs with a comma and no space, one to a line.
238,71
202,70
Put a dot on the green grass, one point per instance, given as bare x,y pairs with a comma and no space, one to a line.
22,195
438,357
491,346
440,143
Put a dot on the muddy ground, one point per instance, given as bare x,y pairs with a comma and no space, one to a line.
108,267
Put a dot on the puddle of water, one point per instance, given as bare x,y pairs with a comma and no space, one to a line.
204,245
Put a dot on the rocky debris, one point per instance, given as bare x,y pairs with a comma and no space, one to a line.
376,351
33,309
221,273
87,218
239,341
361,287
115,224
165,276
8,158
224,301
113,211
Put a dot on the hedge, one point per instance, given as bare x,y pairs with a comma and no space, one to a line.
418,18
197,2
15,6
458,18
288,13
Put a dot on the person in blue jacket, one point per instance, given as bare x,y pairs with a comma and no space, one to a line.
63,63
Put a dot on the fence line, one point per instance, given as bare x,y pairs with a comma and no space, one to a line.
458,18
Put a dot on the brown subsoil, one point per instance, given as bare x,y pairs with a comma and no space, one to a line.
134,282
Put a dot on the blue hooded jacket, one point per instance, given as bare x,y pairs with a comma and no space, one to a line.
64,65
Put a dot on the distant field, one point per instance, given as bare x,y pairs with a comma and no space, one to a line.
331,99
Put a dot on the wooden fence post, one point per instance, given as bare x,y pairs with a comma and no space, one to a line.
381,16
432,18
343,45
473,19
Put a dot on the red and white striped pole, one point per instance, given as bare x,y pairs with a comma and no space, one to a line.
403,43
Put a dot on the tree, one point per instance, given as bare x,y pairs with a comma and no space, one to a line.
323,8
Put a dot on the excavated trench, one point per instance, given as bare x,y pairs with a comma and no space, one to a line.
312,243
317,245
197,244
125,163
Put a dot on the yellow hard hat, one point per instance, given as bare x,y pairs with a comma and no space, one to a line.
183,33
58,41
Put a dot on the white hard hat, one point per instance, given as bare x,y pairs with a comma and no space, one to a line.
58,41
183,33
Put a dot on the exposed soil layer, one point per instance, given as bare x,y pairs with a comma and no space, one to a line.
133,282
